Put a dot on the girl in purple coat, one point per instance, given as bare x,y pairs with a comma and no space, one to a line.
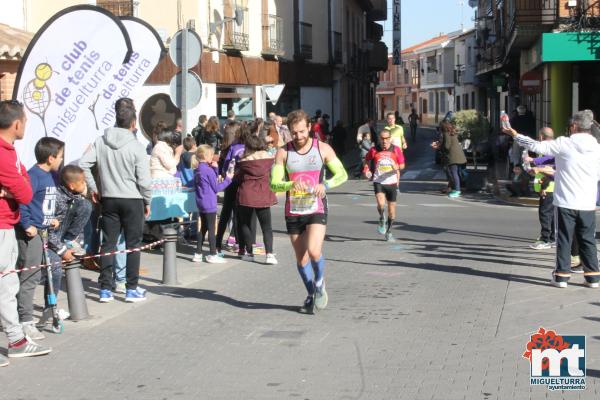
207,185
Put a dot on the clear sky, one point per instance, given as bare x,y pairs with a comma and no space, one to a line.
424,19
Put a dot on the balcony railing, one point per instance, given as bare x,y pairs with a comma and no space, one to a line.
490,57
272,35
236,37
337,48
531,13
305,43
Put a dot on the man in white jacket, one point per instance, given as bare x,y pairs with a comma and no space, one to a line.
577,173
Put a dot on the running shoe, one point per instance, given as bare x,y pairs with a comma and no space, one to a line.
321,298
540,245
381,226
106,296
3,361
28,348
215,259
135,295
309,305
592,285
454,194
271,260
32,332
389,237
197,257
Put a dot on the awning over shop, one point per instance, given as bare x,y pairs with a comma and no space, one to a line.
13,42
571,46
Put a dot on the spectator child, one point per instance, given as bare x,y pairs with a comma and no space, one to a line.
36,217
365,145
184,169
72,212
520,183
207,186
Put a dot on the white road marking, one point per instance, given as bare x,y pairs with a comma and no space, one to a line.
446,205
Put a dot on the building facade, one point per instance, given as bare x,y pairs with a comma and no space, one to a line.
325,54
465,78
539,54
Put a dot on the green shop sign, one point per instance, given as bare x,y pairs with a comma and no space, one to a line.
571,46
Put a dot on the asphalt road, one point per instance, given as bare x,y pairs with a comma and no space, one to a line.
443,313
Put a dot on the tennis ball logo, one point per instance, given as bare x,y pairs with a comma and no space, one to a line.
43,72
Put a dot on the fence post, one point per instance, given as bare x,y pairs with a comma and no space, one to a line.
170,256
75,295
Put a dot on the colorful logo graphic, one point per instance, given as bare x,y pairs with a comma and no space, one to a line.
36,95
556,361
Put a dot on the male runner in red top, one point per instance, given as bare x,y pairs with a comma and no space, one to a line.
383,163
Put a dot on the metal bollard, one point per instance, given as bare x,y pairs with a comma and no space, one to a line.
170,256
75,295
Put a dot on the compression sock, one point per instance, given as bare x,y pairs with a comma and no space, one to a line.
380,211
390,222
307,275
319,268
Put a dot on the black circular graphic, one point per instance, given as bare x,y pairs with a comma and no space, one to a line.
158,107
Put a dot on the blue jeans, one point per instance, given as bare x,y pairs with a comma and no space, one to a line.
91,234
120,265
454,177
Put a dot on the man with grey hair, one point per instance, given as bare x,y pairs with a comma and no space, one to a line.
577,160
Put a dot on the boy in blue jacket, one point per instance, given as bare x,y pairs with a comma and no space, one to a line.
35,217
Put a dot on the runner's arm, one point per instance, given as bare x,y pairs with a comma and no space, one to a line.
367,162
278,182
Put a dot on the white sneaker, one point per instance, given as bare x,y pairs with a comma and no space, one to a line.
593,285
561,285
247,257
214,259
197,258
271,259
32,332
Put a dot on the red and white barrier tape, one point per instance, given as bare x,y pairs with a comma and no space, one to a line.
148,246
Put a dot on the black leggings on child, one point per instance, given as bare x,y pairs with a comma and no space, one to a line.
207,221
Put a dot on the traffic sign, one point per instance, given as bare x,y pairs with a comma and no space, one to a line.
531,82
194,49
193,89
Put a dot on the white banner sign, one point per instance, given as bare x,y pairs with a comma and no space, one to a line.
147,52
78,64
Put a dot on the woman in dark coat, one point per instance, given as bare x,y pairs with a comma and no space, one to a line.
453,156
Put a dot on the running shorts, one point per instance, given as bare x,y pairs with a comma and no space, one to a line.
390,191
297,225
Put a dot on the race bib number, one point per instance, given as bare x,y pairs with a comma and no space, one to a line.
303,203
